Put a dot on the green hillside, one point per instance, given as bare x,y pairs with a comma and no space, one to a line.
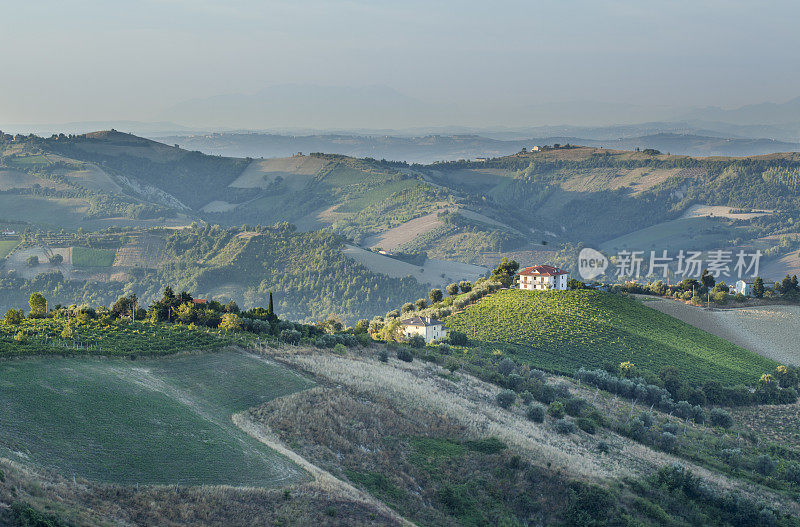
154,421
562,331
307,272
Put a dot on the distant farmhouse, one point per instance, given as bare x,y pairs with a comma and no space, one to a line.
481,159
535,148
543,277
744,287
425,327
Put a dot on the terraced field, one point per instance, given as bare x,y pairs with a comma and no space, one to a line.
158,421
562,331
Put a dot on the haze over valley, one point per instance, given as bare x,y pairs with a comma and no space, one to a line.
370,263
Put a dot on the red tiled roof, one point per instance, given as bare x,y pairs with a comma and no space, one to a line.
542,270
200,301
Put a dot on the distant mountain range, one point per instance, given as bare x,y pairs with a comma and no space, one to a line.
346,107
430,148
281,120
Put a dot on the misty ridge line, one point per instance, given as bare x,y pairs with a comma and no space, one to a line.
307,109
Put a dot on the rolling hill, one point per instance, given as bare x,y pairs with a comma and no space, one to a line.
309,273
533,205
562,331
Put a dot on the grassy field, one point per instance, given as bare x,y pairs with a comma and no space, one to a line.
85,257
61,212
375,195
6,246
686,233
562,331
157,421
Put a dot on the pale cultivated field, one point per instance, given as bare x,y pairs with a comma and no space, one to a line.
295,171
405,232
638,179
317,219
15,179
146,251
720,211
94,178
218,206
430,273
771,331
786,264
477,216
17,261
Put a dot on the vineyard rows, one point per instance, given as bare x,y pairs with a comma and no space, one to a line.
562,331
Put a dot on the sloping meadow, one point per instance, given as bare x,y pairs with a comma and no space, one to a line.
149,421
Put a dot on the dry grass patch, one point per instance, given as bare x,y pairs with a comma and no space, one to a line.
81,502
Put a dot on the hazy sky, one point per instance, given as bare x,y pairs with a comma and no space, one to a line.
103,60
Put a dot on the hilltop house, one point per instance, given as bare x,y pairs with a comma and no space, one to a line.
543,277
744,287
425,327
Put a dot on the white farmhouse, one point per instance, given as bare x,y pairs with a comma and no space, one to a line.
744,287
425,327
543,278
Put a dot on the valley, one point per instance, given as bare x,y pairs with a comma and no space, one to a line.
366,264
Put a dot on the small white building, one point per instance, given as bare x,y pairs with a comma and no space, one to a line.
744,287
425,327
535,148
543,278
481,159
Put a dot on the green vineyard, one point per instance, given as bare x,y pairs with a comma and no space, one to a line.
561,331
85,257
48,336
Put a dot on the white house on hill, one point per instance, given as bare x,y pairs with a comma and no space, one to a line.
425,327
543,277
744,287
